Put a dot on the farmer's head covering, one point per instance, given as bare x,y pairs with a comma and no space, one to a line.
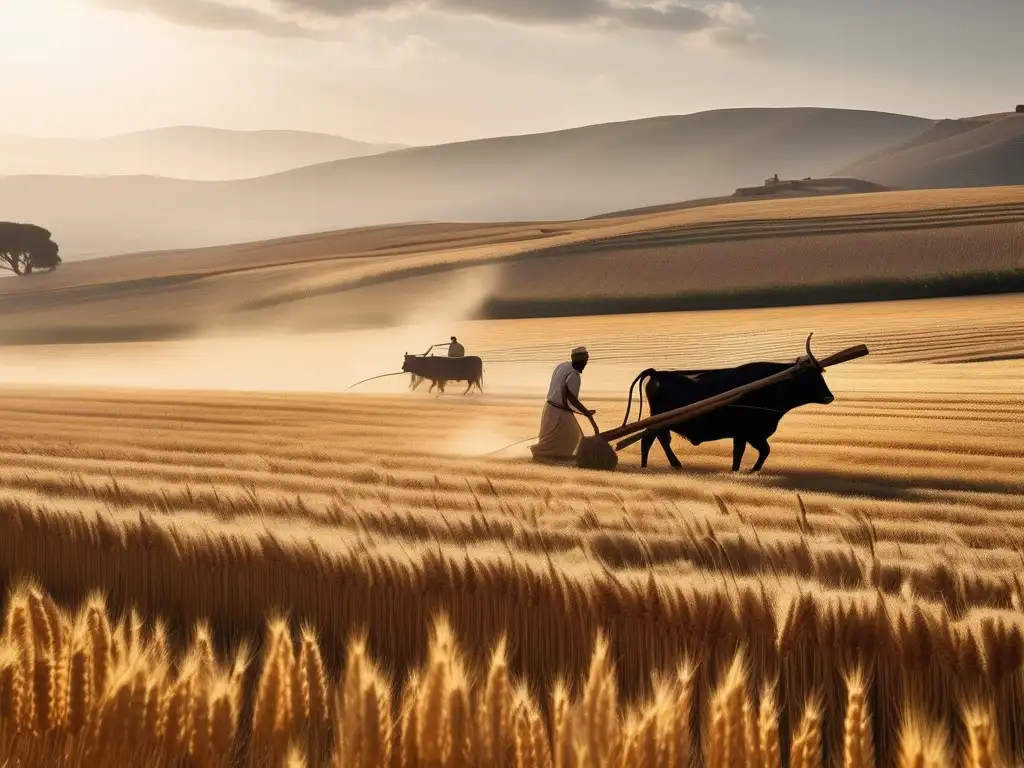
580,353
453,338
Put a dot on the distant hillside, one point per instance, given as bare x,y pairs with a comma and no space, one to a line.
815,250
785,189
560,175
183,152
974,152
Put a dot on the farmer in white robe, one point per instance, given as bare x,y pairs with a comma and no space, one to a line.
560,433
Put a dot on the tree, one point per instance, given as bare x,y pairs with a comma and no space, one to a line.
25,248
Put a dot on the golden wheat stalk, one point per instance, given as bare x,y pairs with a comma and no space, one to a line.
201,741
432,716
350,705
629,750
204,661
18,632
532,747
295,757
677,729
108,738
175,718
409,747
458,747
805,751
922,746
982,752
733,731
563,738
155,693
223,722
858,742
10,688
769,746
273,694
101,643
364,729
598,712
494,721
80,697
310,692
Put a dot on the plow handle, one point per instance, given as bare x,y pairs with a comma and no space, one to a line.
844,356
704,406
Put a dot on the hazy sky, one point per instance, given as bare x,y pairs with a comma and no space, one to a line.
428,71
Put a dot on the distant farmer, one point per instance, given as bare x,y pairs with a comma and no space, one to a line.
455,349
559,432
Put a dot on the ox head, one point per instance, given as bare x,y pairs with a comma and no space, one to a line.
812,382
409,366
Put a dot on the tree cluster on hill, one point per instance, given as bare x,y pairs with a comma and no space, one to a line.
27,248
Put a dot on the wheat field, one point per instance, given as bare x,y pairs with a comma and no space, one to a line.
868,580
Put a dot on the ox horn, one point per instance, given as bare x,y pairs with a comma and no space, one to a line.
807,346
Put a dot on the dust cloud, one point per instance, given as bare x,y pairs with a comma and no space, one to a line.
276,360
488,435
326,362
457,299
264,360
309,363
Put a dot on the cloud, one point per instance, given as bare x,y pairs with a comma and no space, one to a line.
735,27
731,14
728,22
213,14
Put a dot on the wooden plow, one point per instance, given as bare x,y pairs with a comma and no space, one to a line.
596,451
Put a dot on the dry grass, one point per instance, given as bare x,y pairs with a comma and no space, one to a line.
81,689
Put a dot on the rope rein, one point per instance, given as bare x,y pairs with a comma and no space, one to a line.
373,378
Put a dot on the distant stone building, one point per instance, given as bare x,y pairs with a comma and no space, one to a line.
1020,109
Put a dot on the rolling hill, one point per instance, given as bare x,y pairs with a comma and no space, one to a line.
783,252
180,152
559,175
973,152
788,189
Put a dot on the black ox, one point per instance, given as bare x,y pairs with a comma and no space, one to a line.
440,370
750,420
